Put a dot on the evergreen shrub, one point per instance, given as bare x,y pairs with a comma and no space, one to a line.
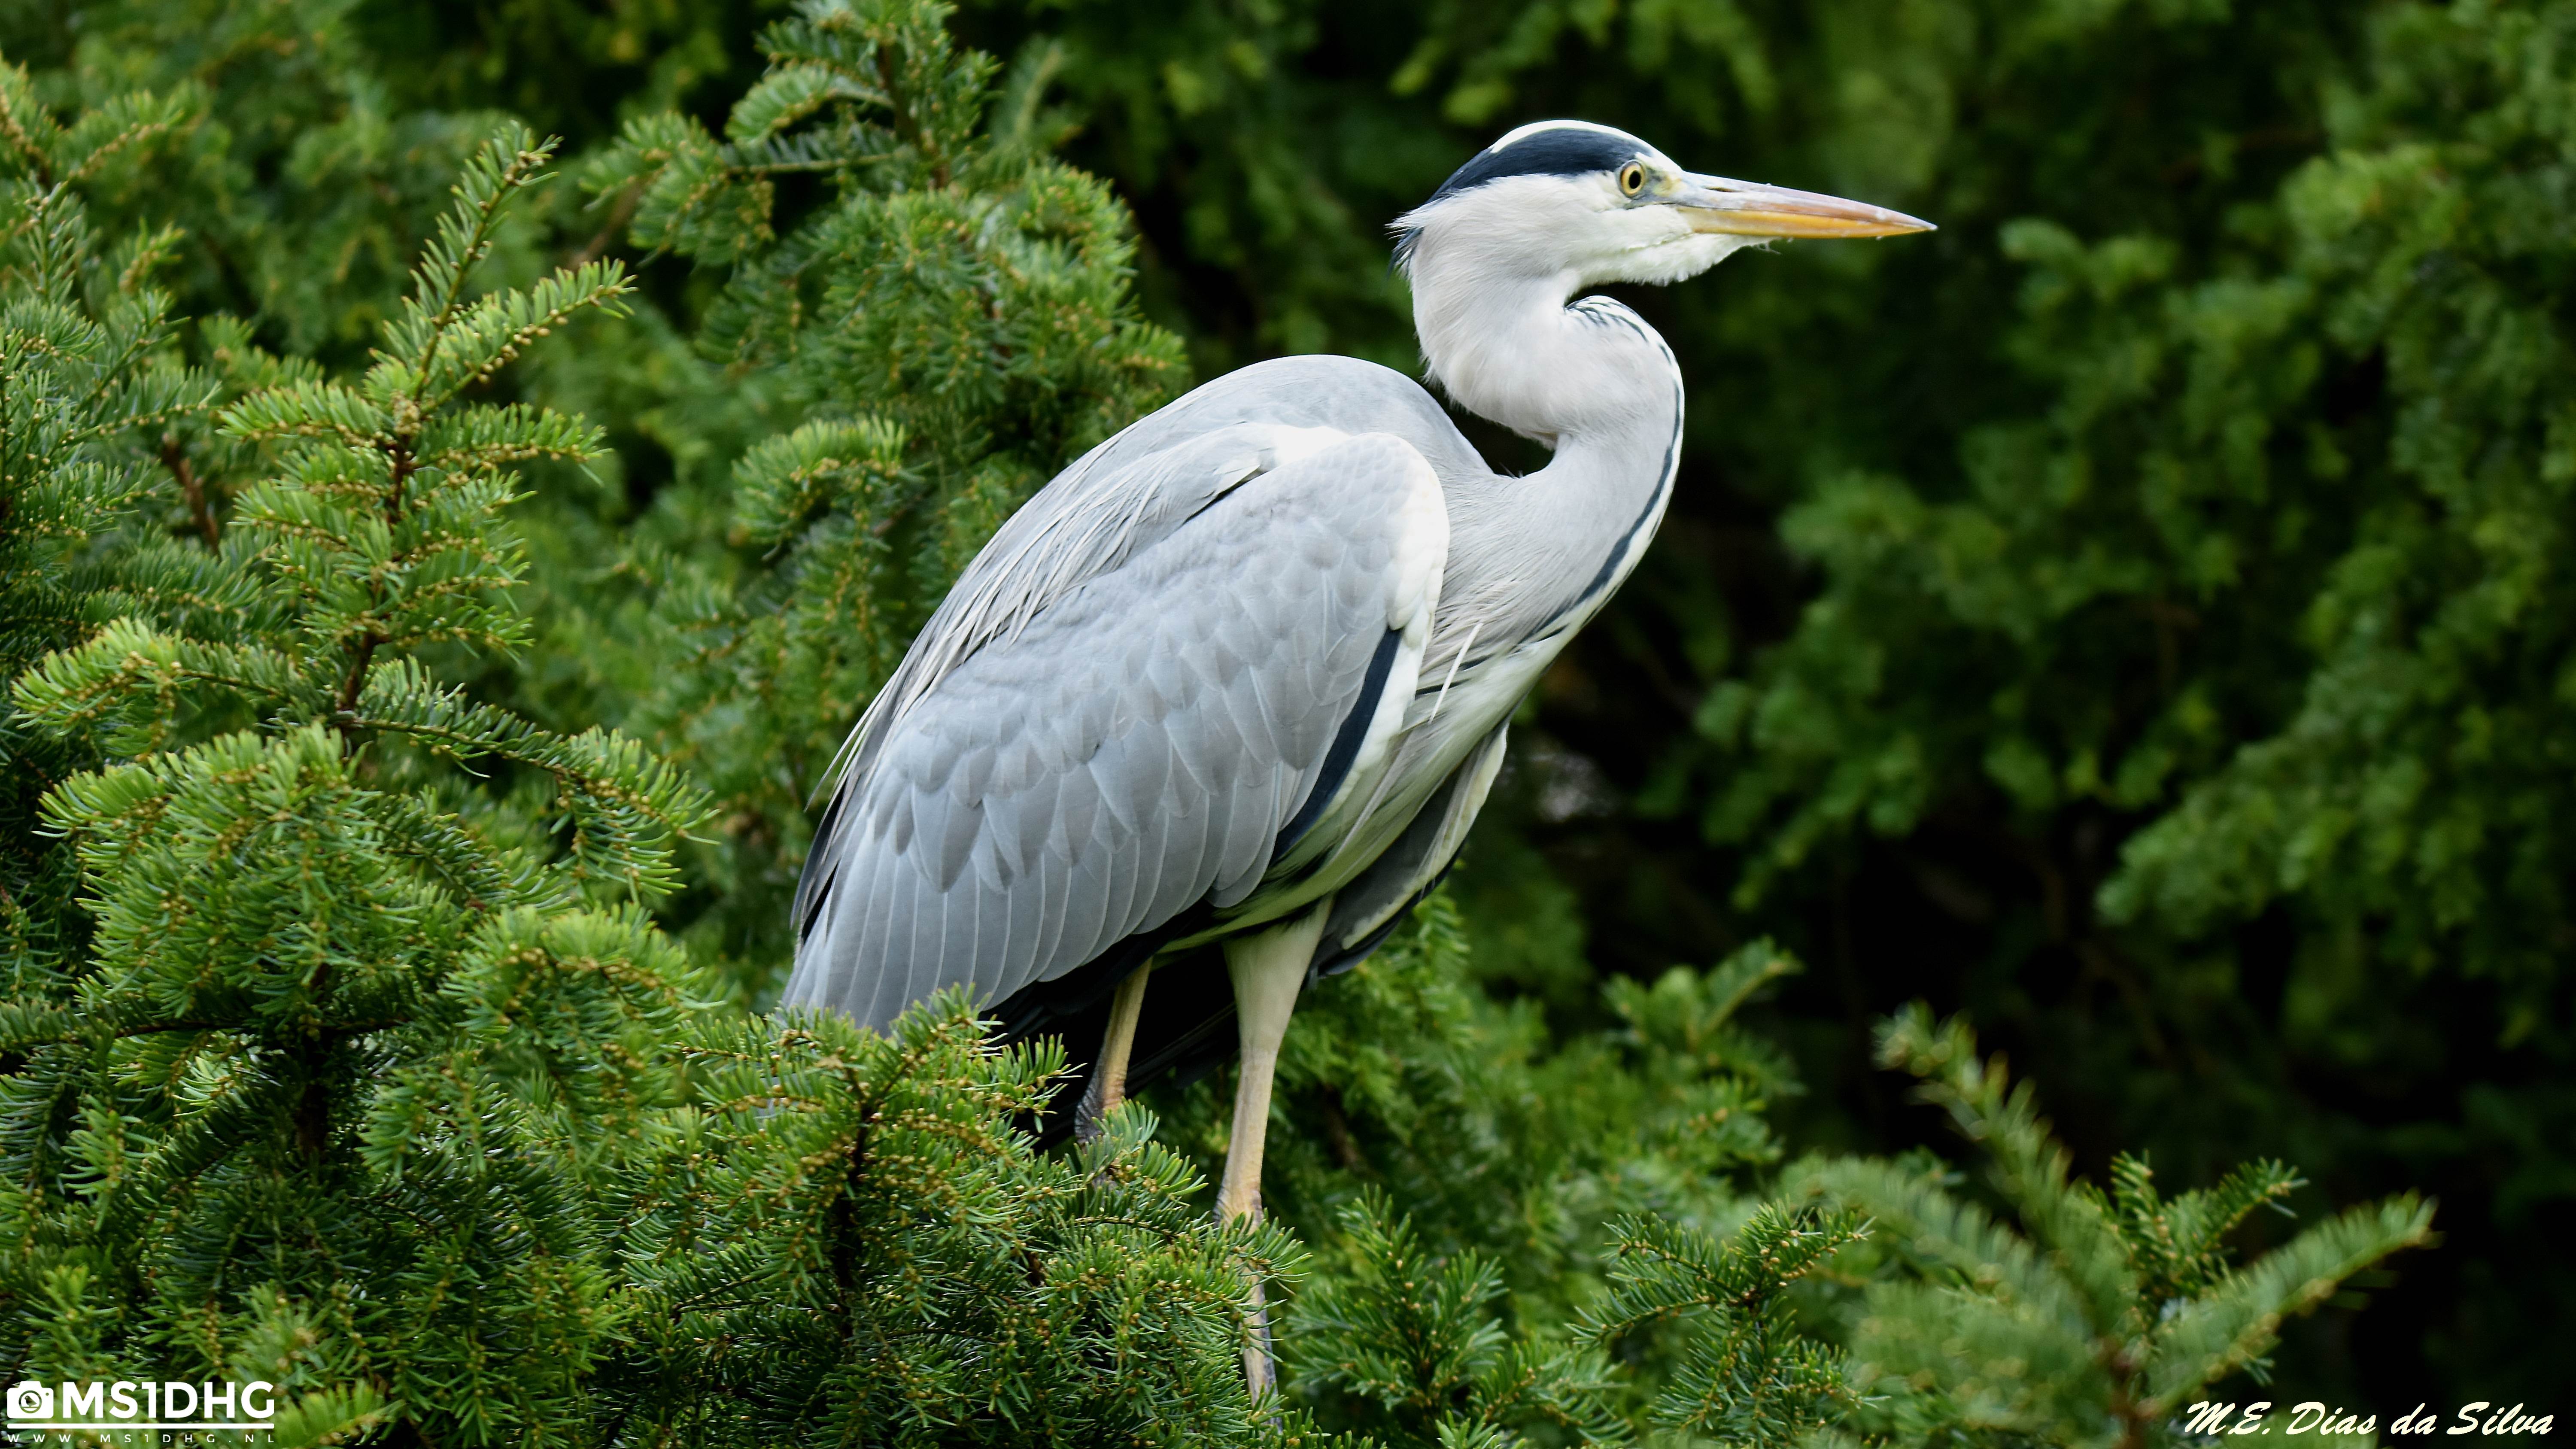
402,793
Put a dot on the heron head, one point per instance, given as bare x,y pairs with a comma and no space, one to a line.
1594,205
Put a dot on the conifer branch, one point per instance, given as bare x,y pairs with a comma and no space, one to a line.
2120,1308
191,490
22,121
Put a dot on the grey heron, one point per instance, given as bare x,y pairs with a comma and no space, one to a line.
1240,675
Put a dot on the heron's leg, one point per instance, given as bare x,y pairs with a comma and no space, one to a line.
1268,968
1109,1077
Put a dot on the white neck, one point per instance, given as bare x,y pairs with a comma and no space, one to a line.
1501,340
1594,382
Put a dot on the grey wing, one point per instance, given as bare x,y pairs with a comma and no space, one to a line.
1132,749
1138,487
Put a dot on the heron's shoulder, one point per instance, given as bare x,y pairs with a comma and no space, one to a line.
1315,388
1344,394
1318,367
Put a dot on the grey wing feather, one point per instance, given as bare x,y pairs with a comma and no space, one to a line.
1199,681
1380,895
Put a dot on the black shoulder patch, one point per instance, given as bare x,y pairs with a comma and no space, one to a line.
1561,151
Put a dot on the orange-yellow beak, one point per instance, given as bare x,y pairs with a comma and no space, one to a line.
1745,208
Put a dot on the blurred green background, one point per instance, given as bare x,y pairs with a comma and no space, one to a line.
2137,614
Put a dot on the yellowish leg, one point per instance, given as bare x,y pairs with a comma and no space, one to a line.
1109,1080
1268,968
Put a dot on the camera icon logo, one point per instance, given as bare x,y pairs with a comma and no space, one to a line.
29,1399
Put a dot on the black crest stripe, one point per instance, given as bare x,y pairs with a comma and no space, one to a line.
1557,151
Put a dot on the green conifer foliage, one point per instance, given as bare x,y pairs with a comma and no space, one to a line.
301,191
2107,1315
2204,457
86,385
1407,1334
846,1240
933,313
289,1120
2402,802
1747,1372
338,1049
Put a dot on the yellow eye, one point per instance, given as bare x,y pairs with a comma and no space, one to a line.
1632,179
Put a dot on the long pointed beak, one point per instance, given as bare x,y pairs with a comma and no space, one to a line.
1747,208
